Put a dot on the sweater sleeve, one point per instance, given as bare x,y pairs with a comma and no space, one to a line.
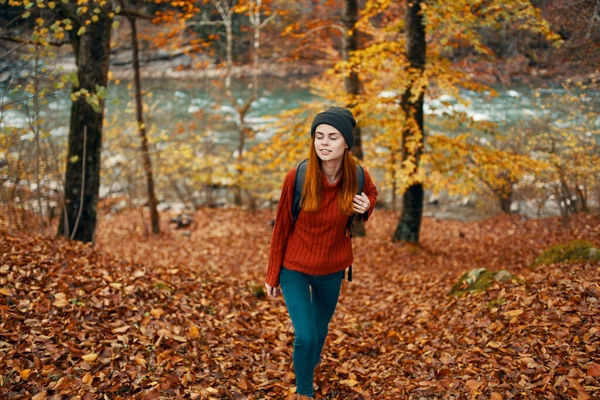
371,192
284,225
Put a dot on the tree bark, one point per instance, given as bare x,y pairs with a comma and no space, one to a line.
92,53
505,192
147,162
505,200
582,194
352,86
409,224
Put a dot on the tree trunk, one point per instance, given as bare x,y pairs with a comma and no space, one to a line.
147,162
582,194
505,192
82,177
255,54
352,86
36,130
505,202
229,33
409,224
394,183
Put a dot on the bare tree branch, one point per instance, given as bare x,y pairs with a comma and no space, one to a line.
24,41
129,13
318,28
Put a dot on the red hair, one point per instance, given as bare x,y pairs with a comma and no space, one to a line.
313,185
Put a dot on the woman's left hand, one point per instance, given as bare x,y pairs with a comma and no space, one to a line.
361,203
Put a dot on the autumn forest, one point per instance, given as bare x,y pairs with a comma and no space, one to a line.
143,149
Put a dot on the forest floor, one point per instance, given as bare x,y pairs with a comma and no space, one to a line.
183,315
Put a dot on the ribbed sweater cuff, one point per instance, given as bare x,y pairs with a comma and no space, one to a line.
273,275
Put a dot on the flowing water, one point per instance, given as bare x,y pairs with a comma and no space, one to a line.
174,102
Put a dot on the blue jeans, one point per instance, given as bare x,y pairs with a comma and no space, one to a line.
310,312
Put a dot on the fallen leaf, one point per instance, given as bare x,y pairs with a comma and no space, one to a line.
513,313
25,374
157,312
39,396
61,300
120,329
87,378
473,384
90,357
593,370
194,332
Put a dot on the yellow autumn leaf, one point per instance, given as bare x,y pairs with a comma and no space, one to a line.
514,313
25,373
90,357
157,312
6,292
194,332
87,379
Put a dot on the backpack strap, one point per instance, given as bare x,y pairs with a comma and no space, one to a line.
298,186
349,274
360,176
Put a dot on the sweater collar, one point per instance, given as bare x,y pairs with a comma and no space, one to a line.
326,182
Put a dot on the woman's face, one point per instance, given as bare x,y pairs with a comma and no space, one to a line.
329,143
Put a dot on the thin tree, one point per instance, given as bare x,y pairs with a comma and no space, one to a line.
352,84
139,110
409,224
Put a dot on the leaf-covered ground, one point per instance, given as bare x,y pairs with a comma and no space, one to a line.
184,316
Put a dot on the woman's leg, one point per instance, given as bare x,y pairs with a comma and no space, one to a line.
325,294
296,293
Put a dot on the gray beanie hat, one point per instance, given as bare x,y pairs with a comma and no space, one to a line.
341,119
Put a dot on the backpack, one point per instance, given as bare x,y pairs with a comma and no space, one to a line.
299,185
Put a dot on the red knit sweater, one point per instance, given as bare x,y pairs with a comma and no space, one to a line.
317,243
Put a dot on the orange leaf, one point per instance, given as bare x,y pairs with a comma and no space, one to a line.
194,332
25,373
87,379
473,384
593,370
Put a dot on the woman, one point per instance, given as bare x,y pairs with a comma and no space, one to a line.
308,257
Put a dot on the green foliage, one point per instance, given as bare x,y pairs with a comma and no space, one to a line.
575,251
478,280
